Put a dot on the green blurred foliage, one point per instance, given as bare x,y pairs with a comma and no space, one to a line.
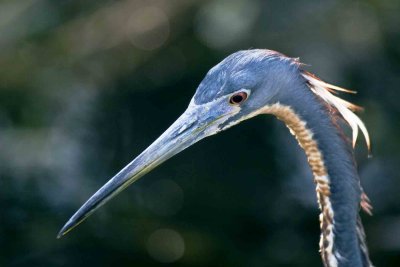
86,85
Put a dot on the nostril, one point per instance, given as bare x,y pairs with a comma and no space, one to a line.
185,127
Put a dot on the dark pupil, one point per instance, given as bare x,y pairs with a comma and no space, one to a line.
237,99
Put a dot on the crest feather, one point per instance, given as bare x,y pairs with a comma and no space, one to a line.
345,108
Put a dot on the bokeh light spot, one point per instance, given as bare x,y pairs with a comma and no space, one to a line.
166,245
359,28
222,23
148,28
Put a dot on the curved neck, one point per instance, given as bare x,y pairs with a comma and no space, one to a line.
338,189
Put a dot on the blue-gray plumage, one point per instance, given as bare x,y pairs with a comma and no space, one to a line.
252,82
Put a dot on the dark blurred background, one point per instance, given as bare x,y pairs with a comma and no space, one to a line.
85,86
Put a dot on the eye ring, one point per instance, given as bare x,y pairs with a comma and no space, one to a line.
238,98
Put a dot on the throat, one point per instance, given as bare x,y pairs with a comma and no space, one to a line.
305,138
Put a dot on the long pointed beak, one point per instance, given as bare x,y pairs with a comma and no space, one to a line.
196,123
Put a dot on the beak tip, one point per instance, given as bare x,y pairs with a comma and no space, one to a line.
63,231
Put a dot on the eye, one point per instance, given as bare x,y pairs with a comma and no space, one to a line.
238,98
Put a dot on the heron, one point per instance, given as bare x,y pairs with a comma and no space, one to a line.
252,82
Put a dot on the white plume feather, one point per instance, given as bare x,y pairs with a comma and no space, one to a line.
345,108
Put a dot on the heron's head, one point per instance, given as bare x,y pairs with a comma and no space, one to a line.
241,85
234,90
